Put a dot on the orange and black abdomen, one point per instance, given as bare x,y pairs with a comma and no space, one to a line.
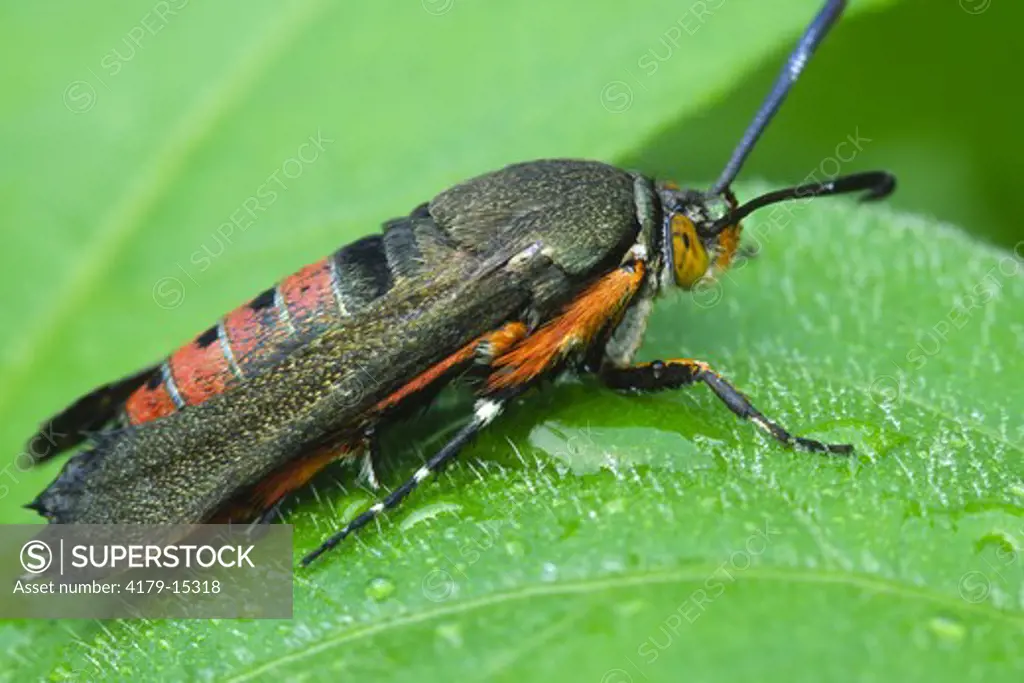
257,335
254,336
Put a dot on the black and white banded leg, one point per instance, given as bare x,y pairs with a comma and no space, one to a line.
484,412
269,515
659,375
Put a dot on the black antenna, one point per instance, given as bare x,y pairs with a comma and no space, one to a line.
875,185
809,42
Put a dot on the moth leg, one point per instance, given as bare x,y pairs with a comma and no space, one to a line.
371,461
659,375
482,349
517,361
486,347
484,412
574,330
273,512
262,500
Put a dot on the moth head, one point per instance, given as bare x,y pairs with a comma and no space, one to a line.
695,247
701,230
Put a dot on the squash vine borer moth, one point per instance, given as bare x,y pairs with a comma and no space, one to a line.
509,278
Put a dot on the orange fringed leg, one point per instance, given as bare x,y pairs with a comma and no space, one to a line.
573,330
486,347
518,360
263,499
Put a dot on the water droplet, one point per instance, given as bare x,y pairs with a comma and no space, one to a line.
587,449
380,589
913,509
450,633
613,565
869,563
515,548
1003,542
628,609
615,506
549,572
569,528
428,512
948,630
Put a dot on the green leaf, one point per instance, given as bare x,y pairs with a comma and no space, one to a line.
590,536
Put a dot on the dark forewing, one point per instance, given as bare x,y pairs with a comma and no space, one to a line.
183,467
305,368
89,414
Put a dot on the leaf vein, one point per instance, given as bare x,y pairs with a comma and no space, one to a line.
587,586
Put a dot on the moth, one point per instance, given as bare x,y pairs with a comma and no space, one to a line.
506,280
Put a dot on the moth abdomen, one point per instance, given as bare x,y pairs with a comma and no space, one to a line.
256,335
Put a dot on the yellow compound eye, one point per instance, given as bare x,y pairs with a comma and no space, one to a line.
689,259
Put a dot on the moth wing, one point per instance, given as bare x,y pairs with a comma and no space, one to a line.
89,414
184,467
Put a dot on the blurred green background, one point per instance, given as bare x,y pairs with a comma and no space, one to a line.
934,88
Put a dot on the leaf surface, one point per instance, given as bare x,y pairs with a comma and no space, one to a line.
589,536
